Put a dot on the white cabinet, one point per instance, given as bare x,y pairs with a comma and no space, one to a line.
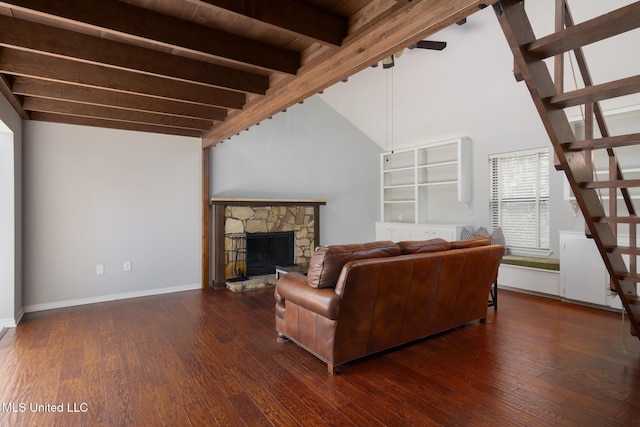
446,232
408,174
398,232
583,276
582,273
384,231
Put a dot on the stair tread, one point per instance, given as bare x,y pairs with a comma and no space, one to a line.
611,24
618,183
604,142
632,299
622,87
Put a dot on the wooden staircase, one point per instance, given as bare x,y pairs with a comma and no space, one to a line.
602,214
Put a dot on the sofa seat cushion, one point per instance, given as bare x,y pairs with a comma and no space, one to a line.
423,246
327,261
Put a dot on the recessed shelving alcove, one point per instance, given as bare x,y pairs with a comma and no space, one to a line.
408,177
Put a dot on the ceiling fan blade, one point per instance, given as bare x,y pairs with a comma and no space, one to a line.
429,44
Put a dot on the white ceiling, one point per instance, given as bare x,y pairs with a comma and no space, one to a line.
468,88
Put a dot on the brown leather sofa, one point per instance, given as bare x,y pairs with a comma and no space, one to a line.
357,300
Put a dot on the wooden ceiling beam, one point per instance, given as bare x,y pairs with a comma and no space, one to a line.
112,124
293,16
26,86
21,34
44,105
5,89
28,64
143,24
407,23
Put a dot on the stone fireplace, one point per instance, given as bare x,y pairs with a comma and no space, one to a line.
235,219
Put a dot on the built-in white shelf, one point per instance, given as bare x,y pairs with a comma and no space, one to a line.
405,172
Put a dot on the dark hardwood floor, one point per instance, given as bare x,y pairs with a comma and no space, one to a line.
210,358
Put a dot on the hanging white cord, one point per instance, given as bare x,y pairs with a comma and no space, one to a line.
575,82
390,110
583,115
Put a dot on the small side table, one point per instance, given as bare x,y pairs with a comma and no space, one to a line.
493,293
295,268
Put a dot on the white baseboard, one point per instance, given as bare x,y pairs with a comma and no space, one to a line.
19,315
12,322
8,323
105,298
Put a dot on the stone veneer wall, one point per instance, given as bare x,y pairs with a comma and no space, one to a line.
240,220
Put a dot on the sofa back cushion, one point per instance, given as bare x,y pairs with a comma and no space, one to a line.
327,261
474,242
423,246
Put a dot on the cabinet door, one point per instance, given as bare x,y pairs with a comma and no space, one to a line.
582,272
446,233
401,232
394,231
383,231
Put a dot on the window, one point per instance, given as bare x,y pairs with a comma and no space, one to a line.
519,200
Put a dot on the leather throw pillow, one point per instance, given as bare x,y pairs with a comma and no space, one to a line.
327,261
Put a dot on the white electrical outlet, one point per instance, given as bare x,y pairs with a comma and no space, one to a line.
100,269
126,266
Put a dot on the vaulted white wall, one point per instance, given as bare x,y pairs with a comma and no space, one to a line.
468,89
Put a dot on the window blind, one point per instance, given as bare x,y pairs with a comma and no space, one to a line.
519,200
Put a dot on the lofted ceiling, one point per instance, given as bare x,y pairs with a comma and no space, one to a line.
201,68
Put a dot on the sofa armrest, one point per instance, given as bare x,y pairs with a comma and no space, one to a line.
293,287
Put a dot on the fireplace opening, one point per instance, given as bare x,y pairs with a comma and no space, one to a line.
266,250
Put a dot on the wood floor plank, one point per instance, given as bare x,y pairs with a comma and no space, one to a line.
130,362
171,412
119,406
209,357
71,396
180,377
220,408
145,410
94,393
199,414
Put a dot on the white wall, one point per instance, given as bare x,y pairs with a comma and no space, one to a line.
100,196
468,89
7,226
310,152
10,215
